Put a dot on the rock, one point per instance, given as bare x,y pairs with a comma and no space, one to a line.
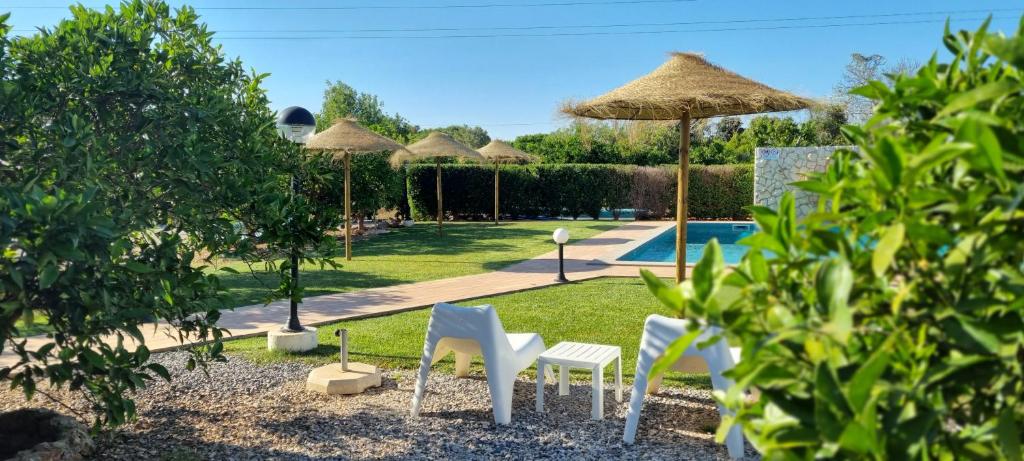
34,434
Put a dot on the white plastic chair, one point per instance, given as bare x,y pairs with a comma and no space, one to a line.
659,333
470,331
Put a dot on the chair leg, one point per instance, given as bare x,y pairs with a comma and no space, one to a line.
597,410
563,380
718,361
462,364
644,362
421,379
618,379
540,386
502,389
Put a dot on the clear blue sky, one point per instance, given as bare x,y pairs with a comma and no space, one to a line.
513,85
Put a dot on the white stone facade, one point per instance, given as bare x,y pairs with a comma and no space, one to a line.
775,168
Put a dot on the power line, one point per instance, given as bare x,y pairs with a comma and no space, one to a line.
399,7
604,26
610,33
610,26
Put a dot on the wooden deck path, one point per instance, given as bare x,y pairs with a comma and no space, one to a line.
538,272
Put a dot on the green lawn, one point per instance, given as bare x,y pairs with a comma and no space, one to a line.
604,311
38,327
418,254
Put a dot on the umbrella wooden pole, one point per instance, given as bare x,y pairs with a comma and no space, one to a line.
683,184
440,198
348,207
496,181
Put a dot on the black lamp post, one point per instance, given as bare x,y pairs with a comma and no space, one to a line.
295,124
561,236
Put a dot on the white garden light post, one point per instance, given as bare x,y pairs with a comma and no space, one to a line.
296,125
561,236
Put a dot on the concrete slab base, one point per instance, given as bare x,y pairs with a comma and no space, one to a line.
331,379
289,341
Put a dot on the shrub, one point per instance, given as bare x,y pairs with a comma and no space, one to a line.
375,184
720,191
653,192
716,191
889,323
617,182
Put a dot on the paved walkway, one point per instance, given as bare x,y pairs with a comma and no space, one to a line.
580,264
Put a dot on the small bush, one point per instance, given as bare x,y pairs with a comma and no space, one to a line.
888,324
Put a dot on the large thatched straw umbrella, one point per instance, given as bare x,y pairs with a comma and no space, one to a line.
344,139
436,145
498,152
686,87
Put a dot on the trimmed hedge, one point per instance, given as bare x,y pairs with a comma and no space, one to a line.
716,191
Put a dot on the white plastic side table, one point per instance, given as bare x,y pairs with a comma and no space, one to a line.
593,357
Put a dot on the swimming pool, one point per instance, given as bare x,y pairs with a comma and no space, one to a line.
662,248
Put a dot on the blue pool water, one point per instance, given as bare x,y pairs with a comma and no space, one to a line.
663,247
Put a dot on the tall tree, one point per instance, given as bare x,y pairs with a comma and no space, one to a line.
472,136
132,154
863,69
858,72
341,100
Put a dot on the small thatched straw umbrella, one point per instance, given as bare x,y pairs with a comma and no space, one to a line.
436,145
344,139
686,87
499,152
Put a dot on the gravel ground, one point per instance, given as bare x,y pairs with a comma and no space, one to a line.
246,411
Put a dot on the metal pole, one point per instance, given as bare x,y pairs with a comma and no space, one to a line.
440,199
342,334
348,206
496,182
682,184
293,304
561,264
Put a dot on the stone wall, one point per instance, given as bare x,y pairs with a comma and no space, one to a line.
776,167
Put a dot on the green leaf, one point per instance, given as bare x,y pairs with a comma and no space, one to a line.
1009,434
833,283
829,403
978,95
669,295
673,352
886,249
856,438
858,390
980,332
47,276
138,267
706,271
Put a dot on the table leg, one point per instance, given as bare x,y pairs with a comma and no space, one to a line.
618,379
563,380
597,412
540,386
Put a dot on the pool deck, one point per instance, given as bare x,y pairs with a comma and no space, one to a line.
583,261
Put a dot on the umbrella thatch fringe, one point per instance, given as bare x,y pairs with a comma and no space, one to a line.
687,83
436,144
501,152
346,136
